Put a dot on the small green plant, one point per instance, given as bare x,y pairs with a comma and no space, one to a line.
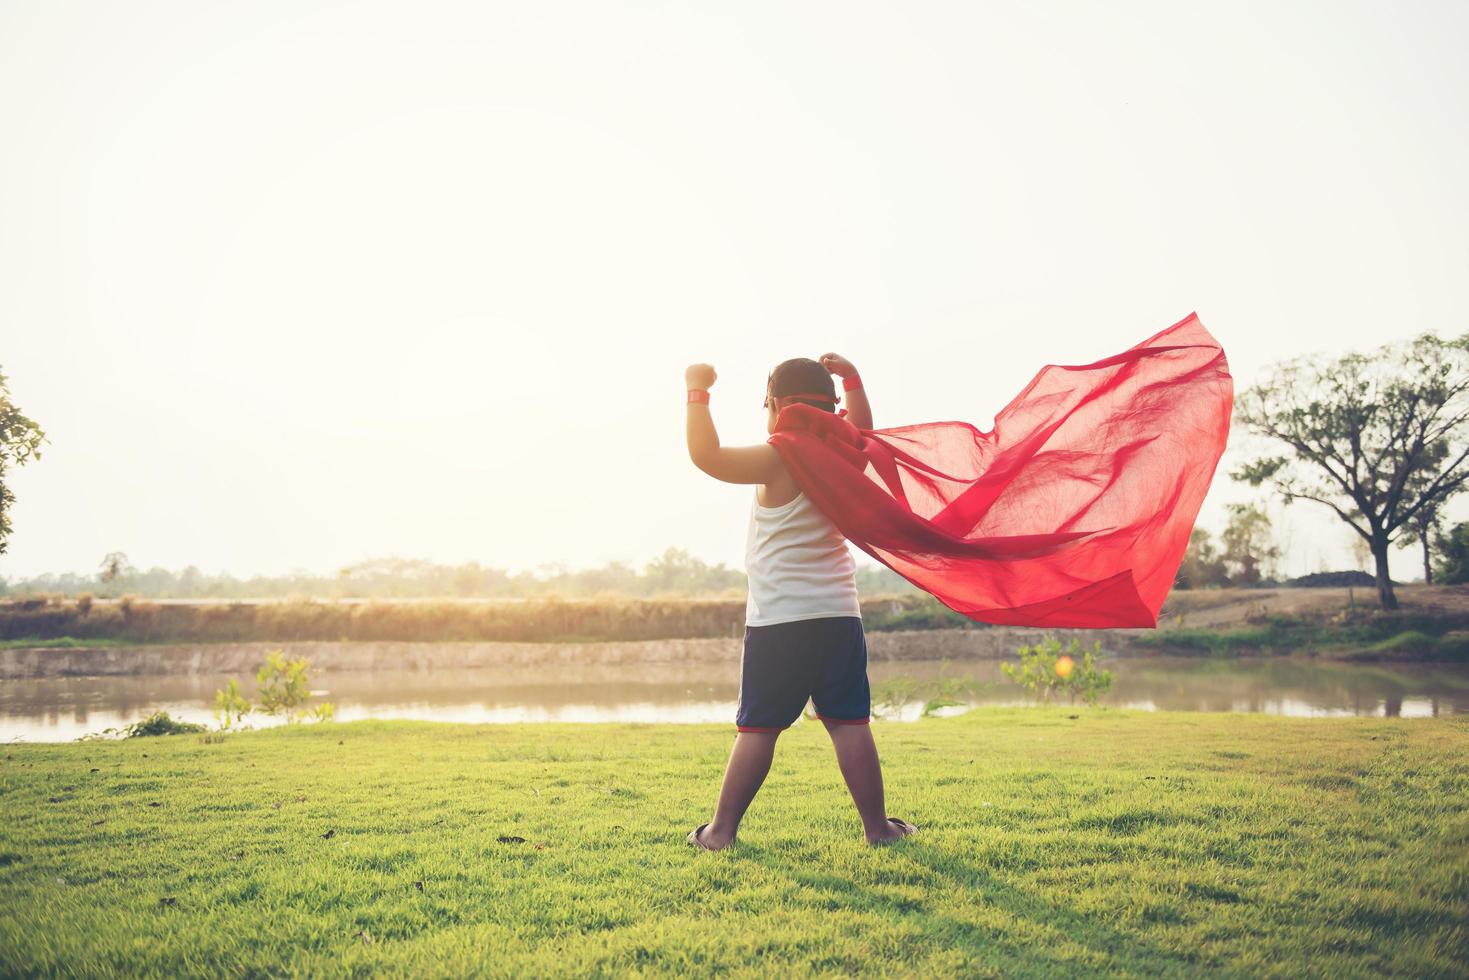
889,696
230,706
934,693
282,689
283,685
1045,671
946,692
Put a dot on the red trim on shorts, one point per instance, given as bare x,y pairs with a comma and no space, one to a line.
843,721
751,728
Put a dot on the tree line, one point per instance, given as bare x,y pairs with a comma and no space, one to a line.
674,572
1248,554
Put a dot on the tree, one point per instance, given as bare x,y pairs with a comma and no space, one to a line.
1249,546
1361,554
677,571
1379,438
1424,528
114,567
1453,555
20,442
1202,565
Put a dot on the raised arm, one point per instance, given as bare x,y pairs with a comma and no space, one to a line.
859,412
732,464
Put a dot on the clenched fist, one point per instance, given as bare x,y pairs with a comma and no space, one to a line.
838,365
699,376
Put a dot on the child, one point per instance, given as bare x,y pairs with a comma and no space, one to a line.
803,626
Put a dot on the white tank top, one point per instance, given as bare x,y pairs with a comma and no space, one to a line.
798,565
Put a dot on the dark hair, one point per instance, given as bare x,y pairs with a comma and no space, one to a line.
801,374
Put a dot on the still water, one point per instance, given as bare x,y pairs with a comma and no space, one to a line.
61,709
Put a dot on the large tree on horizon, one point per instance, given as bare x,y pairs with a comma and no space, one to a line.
1382,439
20,442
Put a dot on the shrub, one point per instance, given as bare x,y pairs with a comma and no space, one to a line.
158,723
1045,671
282,685
282,691
230,705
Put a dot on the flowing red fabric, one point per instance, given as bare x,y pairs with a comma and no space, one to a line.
1074,511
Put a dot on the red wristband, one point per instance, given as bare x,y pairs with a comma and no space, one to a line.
700,395
851,381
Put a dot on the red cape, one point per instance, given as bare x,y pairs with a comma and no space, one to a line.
1076,508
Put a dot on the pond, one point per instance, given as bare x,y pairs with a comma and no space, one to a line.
60,709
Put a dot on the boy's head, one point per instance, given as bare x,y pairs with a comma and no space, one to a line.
799,375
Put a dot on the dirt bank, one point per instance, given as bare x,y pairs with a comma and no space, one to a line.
245,658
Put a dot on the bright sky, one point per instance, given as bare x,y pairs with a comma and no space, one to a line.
292,285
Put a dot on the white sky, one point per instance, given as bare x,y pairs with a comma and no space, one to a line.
292,285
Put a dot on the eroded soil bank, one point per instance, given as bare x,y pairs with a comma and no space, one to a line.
210,658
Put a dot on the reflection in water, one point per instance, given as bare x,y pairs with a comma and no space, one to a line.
59,709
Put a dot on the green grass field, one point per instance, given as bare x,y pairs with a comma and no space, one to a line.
1113,842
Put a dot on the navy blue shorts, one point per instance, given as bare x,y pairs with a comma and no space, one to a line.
824,659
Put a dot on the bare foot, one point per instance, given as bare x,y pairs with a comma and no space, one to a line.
895,829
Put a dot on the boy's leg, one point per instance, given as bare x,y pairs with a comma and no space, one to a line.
843,701
749,762
773,690
857,757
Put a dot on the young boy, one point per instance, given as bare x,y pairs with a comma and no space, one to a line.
803,626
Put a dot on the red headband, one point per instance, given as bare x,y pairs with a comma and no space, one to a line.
813,396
